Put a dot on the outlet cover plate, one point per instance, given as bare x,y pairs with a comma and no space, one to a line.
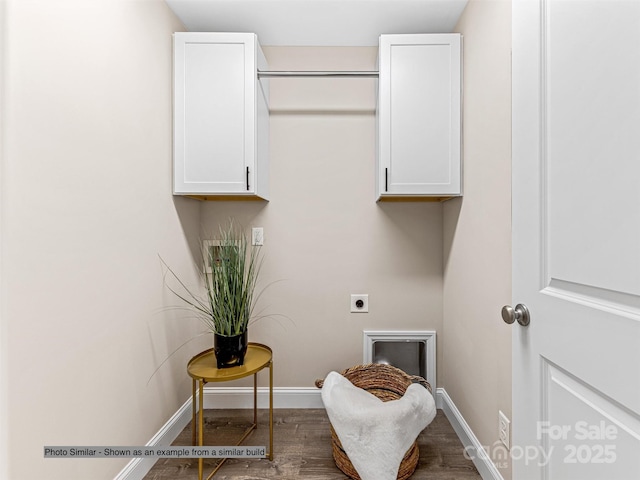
257,236
355,298
504,426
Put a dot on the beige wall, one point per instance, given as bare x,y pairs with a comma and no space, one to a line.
86,209
325,236
477,230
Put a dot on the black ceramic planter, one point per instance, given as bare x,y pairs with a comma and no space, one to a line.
230,351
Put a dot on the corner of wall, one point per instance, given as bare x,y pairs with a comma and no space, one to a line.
477,232
4,408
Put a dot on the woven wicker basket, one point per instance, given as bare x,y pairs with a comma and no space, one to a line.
386,383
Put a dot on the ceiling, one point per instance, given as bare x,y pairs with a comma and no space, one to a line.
319,22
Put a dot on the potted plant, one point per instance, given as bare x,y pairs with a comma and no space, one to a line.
230,272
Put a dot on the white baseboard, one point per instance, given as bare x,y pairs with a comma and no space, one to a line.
486,468
283,397
242,397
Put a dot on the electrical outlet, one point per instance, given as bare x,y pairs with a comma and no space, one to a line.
257,236
359,303
504,425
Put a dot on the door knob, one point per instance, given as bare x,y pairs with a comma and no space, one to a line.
520,313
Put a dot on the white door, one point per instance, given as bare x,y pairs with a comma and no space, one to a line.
576,239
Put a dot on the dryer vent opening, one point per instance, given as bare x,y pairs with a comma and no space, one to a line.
406,355
413,352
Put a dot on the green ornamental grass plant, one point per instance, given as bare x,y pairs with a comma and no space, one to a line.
230,274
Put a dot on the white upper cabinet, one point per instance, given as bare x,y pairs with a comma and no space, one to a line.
221,116
419,117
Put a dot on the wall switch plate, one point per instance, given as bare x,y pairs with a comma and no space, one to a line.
504,425
257,236
360,303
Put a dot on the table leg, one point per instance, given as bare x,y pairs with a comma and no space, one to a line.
201,426
271,410
255,398
193,412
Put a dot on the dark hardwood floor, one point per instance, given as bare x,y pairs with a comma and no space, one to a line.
302,449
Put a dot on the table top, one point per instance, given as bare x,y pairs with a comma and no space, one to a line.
204,367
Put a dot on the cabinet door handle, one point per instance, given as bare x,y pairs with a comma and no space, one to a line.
386,179
247,179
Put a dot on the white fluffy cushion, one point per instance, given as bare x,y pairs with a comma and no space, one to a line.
376,434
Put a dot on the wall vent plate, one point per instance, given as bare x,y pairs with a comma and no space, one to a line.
210,251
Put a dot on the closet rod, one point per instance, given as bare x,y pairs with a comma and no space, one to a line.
335,74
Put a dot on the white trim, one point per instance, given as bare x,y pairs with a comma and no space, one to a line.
242,397
438,398
428,336
486,468
137,468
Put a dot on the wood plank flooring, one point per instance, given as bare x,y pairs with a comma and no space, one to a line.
302,449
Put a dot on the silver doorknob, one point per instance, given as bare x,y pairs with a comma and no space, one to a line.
520,313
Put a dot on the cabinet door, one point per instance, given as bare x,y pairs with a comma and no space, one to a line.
419,115
214,113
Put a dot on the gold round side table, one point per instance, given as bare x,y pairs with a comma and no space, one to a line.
203,369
